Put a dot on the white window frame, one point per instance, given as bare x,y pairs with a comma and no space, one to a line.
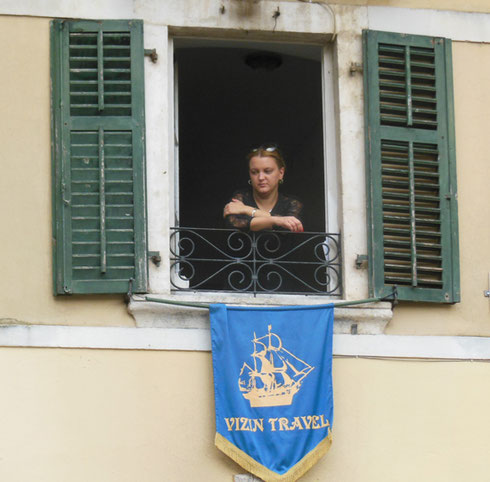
167,187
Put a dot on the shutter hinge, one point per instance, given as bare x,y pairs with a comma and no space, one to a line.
155,257
66,202
152,53
451,195
362,261
355,67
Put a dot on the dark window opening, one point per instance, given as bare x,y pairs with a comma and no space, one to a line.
226,108
230,100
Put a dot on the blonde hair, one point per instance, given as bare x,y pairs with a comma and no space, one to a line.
273,152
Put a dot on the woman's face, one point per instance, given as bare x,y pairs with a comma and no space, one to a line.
265,174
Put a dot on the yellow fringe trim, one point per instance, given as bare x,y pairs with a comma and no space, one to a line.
254,467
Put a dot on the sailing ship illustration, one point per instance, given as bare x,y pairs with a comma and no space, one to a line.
276,375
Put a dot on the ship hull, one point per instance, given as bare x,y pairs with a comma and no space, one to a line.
269,399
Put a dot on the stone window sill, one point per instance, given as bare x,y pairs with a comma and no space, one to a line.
365,319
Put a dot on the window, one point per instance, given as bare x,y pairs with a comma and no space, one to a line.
98,156
99,195
411,175
231,97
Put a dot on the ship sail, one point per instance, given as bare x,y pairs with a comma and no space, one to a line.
276,375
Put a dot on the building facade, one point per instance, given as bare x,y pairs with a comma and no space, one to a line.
101,381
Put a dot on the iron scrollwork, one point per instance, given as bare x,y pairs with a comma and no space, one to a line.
205,259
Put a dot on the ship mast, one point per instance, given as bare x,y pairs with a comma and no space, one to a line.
255,352
270,346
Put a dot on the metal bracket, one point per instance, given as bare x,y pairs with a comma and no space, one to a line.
155,257
361,261
66,201
275,16
129,294
152,53
355,67
393,296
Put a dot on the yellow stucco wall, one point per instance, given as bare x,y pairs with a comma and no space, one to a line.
126,416
25,195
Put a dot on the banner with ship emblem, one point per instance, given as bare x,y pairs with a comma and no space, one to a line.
273,387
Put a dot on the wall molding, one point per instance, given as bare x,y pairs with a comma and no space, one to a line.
121,338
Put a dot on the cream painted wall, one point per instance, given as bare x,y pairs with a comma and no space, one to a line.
471,65
126,416
25,188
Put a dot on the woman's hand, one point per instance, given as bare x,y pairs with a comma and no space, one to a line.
288,222
235,206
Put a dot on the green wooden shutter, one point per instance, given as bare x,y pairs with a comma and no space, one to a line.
98,150
411,175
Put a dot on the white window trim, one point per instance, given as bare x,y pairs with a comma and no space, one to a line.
162,171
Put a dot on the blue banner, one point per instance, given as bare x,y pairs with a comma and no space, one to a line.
273,387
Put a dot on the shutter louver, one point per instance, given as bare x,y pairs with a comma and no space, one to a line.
407,86
410,170
411,214
100,73
100,217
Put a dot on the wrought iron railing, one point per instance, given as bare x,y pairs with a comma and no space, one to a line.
205,259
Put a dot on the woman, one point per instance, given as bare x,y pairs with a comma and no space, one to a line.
263,206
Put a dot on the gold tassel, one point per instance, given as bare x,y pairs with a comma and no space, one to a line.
254,467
